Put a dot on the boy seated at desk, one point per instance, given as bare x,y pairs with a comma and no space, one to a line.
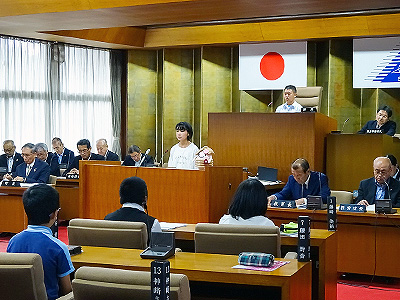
41,204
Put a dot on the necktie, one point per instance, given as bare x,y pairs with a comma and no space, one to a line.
28,170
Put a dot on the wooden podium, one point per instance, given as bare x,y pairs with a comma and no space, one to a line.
185,196
350,157
269,139
12,213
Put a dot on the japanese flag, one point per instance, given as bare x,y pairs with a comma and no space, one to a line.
272,66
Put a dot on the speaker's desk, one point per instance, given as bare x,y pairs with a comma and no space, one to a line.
294,278
12,214
368,243
325,257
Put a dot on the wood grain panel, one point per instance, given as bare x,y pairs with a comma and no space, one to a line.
365,240
12,214
350,157
68,190
355,26
129,36
294,278
188,196
273,140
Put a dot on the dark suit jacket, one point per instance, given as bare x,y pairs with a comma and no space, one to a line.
111,156
17,161
388,128
52,161
40,172
367,191
317,186
67,157
75,163
148,160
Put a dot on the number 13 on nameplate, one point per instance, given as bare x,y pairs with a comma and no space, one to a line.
160,280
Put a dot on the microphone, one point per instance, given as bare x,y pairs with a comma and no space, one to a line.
269,104
162,156
344,123
144,156
388,190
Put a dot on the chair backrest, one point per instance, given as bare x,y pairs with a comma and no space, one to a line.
93,283
21,277
52,179
343,197
233,239
104,233
309,96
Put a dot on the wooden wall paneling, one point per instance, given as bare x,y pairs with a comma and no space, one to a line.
216,84
178,92
350,157
344,101
142,96
273,140
385,237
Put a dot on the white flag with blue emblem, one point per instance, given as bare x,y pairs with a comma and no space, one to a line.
376,62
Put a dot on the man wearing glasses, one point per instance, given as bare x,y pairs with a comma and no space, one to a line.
381,186
11,159
85,153
32,170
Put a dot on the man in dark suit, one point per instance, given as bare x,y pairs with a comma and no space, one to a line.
133,197
102,149
65,156
43,154
10,159
136,158
394,168
85,151
381,186
32,169
302,183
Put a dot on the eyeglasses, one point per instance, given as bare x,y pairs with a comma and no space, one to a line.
83,150
382,172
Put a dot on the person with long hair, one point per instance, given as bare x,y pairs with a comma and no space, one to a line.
249,205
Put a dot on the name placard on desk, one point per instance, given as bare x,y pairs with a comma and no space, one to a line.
10,183
353,208
72,176
283,203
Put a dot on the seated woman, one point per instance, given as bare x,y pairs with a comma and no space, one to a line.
182,154
248,206
382,124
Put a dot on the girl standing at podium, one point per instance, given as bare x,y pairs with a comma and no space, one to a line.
182,154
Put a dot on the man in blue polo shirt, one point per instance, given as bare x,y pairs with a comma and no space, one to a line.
41,204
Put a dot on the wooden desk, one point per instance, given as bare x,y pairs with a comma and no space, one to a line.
175,195
365,240
12,214
269,139
69,198
326,259
294,279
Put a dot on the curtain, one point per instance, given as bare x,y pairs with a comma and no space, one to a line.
24,90
116,65
49,90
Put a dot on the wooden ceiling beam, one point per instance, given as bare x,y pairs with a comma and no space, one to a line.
124,36
354,26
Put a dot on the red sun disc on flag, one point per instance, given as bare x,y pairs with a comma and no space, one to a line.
272,65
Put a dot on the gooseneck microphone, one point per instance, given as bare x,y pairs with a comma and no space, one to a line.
388,190
144,156
162,156
344,123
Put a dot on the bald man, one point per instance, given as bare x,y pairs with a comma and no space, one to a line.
381,186
102,149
